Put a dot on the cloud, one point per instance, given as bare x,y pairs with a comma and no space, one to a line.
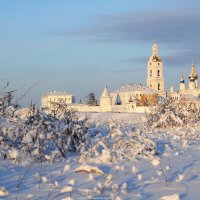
170,27
108,70
179,59
177,30
182,59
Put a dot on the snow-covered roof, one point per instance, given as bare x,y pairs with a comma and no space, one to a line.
105,92
134,87
55,93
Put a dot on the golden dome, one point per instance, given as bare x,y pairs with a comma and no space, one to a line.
193,73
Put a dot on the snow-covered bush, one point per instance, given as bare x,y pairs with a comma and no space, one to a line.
41,136
169,113
7,106
119,145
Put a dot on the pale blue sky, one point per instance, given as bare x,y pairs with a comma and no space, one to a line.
81,46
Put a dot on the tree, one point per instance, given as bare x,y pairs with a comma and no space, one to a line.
91,100
148,99
40,136
118,100
170,113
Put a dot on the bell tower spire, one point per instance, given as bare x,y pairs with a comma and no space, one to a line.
155,49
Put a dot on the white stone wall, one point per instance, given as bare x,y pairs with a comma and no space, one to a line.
142,109
85,108
127,108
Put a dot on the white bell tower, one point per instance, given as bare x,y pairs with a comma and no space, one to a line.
155,79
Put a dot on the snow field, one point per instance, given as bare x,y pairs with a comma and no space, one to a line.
112,170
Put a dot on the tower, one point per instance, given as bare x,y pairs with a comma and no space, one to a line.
105,100
155,79
192,83
182,84
193,77
171,89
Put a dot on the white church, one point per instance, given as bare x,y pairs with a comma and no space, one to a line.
190,92
134,97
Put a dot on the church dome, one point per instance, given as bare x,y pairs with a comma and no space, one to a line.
182,79
193,74
192,79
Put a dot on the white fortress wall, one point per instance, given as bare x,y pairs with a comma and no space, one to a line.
85,108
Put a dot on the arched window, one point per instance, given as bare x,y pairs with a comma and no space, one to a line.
158,73
150,86
158,86
150,73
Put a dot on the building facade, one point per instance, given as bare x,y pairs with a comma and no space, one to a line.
56,97
130,93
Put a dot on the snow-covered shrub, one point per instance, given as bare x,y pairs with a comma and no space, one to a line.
119,145
169,113
7,106
41,136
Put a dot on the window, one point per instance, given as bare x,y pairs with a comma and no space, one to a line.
60,99
158,86
158,73
150,73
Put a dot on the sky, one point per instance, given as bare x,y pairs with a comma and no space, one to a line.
81,46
